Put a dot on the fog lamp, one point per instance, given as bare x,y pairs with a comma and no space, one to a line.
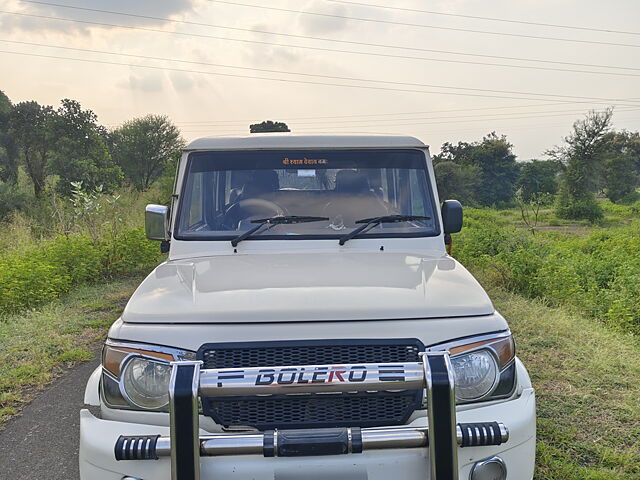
489,469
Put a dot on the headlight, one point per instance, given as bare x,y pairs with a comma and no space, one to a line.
476,374
145,382
136,376
483,367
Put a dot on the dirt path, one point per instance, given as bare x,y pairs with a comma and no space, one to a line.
42,443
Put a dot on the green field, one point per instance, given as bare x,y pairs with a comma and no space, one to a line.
569,291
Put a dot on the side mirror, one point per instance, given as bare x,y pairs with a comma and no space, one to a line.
156,222
451,216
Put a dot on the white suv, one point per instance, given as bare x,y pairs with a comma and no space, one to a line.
308,323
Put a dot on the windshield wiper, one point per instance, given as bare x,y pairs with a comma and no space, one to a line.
369,223
272,222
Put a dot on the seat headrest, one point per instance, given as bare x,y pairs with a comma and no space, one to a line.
262,181
350,181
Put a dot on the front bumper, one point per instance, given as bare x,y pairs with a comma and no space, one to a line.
98,437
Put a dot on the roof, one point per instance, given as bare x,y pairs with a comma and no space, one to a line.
258,141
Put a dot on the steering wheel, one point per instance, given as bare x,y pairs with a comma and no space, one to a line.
253,207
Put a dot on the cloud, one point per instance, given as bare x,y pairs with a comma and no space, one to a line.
148,82
154,8
315,24
185,82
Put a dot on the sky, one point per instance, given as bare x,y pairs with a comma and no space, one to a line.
333,66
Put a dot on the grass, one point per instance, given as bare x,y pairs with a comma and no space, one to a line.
37,346
587,381
586,375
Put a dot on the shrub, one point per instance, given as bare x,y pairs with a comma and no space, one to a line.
11,199
598,274
129,252
76,255
37,275
28,281
582,208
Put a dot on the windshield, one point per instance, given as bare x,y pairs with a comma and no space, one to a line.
224,192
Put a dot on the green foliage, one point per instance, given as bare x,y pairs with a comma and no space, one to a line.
11,199
597,274
28,281
622,166
268,126
31,129
129,252
578,206
80,153
145,148
583,155
8,146
88,238
495,164
75,256
456,181
538,177
37,275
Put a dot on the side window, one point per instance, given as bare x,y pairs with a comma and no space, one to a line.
195,202
389,187
418,190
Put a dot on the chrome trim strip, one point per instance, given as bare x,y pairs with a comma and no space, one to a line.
377,438
283,380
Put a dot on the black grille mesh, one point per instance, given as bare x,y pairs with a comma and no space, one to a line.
314,410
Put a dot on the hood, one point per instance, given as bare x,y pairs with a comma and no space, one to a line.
306,287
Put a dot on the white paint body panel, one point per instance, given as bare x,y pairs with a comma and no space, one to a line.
92,391
263,141
296,287
97,438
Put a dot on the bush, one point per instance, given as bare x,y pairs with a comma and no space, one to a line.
11,199
598,274
130,252
37,275
74,255
583,208
28,281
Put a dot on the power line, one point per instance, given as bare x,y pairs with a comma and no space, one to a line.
492,19
505,115
421,25
324,39
282,72
383,114
430,131
333,50
570,98
454,120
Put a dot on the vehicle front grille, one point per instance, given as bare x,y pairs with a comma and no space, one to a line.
364,409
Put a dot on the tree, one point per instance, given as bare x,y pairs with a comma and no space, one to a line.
145,147
538,179
31,128
582,156
496,166
456,181
622,165
8,147
268,126
80,153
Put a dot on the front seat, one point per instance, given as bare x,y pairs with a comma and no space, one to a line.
353,200
261,182
352,182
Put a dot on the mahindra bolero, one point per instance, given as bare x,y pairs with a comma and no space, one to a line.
308,323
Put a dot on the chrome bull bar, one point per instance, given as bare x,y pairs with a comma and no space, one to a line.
434,375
